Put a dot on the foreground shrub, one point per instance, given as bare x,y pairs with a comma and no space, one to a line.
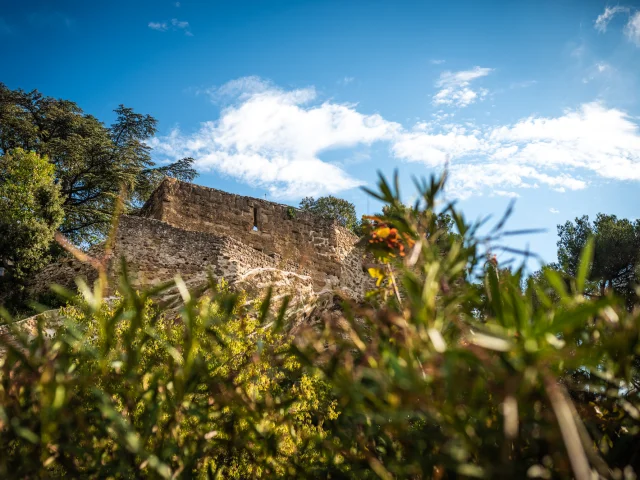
128,389
456,367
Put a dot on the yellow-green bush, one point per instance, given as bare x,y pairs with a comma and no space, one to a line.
128,390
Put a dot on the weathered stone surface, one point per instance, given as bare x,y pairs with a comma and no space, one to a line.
299,240
189,230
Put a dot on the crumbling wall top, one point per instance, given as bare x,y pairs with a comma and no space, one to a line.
267,226
172,190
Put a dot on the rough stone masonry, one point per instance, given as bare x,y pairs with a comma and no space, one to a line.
189,230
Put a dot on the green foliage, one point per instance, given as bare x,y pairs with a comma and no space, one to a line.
30,212
616,253
129,390
332,208
92,162
464,369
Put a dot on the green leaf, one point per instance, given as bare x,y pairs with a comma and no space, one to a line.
495,295
264,306
556,281
586,259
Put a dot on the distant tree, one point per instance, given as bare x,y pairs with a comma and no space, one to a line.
92,162
332,208
542,288
616,252
30,212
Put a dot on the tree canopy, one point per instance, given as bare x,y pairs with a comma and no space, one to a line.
92,162
332,208
30,212
616,252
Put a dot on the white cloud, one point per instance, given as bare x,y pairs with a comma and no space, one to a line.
181,25
239,89
466,180
602,140
605,17
562,153
505,193
161,27
275,138
434,149
455,89
554,210
463,77
437,61
175,25
346,80
440,116
632,29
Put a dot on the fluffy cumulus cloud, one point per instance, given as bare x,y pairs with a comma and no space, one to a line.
435,145
455,87
605,141
562,153
274,138
504,193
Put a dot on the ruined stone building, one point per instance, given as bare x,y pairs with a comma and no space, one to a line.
189,230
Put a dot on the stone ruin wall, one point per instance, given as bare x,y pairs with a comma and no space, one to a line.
189,230
63,272
307,244
156,252
353,273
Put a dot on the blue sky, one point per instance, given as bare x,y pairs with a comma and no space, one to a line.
533,100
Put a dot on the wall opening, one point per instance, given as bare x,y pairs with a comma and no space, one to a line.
255,219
